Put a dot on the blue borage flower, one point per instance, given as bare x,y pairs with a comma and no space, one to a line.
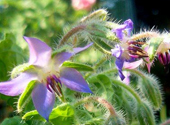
48,74
126,51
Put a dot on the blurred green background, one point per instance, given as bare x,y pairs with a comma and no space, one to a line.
49,19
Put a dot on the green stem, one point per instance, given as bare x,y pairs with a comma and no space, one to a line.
70,33
110,71
100,100
136,72
127,88
131,70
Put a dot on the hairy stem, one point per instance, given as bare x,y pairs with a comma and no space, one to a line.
136,72
70,33
128,88
144,35
100,100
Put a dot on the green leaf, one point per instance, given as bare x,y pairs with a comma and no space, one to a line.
25,96
153,46
102,85
63,113
20,68
14,121
33,115
10,55
78,66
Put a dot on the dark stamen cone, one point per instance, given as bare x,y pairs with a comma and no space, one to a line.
55,84
137,52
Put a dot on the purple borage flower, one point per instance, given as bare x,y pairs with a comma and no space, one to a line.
127,51
49,76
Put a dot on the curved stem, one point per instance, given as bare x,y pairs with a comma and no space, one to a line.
142,35
100,100
166,122
131,70
127,88
71,32
136,72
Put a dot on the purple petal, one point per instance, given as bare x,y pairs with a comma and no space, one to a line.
119,64
74,80
121,75
40,52
132,65
43,100
119,31
129,26
17,85
61,57
79,49
117,51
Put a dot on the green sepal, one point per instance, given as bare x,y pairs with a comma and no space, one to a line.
77,66
100,48
25,97
20,68
63,48
111,25
63,113
99,30
153,46
98,14
103,44
145,114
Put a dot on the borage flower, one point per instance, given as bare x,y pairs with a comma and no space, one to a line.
127,52
49,76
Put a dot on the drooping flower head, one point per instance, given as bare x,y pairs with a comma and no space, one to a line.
163,52
126,51
49,75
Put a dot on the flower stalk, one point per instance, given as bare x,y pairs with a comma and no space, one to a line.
142,35
71,33
100,100
128,88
